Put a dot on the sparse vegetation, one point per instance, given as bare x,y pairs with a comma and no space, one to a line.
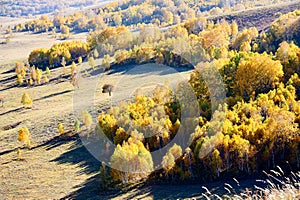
87,119
60,128
77,125
26,100
24,136
256,129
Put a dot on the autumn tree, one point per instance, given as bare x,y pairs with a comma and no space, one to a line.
95,53
106,61
257,74
169,160
45,79
218,35
39,74
33,74
245,46
73,68
48,71
121,56
26,100
20,79
60,128
216,162
65,31
117,19
77,125
131,162
24,136
79,60
91,62
19,67
244,37
87,119
289,56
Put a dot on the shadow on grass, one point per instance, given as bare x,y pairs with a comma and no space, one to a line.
79,155
8,151
145,68
9,79
141,69
14,110
90,190
8,87
53,95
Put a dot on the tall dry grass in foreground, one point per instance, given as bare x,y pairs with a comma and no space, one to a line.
276,186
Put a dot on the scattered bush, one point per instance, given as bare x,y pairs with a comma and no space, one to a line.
24,136
26,100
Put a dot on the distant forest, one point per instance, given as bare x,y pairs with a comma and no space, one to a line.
12,8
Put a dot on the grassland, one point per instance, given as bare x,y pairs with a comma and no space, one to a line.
54,162
61,167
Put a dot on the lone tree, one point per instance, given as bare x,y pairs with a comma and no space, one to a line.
92,62
77,125
63,63
60,128
87,119
79,60
96,54
24,136
26,100
75,79
48,71
106,61
107,88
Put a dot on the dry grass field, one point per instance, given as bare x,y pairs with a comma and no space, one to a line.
21,44
61,167
58,163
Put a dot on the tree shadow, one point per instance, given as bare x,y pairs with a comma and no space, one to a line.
8,71
79,155
8,87
10,111
53,95
144,68
8,80
8,151
91,190
96,71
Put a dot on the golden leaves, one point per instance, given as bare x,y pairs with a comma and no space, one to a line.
24,136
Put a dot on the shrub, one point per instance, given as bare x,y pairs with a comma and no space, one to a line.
60,128
77,126
24,136
26,100
87,119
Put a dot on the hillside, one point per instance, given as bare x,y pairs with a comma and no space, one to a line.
260,17
196,109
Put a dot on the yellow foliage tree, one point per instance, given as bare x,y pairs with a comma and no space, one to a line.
131,162
24,136
26,100
60,128
106,61
87,119
257,73
20,79
39,74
